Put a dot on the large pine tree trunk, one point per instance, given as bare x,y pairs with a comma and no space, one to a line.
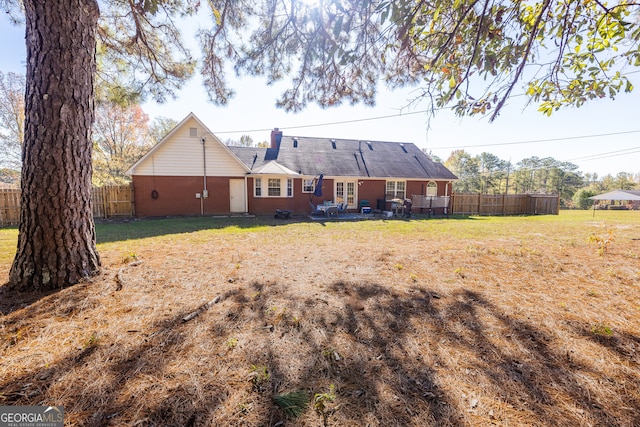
56,243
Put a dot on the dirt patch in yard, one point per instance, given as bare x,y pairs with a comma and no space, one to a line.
407,323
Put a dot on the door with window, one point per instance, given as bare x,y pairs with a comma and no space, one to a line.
345,190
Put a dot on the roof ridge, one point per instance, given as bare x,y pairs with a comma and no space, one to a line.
348,139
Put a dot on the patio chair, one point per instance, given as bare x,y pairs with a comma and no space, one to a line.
365,207
314,209
342,209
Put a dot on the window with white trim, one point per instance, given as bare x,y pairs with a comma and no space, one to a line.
275,187
308,185
396,189
258,187
432,189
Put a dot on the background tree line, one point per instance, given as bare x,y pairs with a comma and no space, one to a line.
488,174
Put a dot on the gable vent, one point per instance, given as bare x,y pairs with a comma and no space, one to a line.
193,131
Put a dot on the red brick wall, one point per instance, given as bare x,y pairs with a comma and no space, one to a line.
371,191
177,195
298,204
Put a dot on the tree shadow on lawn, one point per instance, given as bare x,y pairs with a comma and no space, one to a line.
139,228
550,384
11,300
395,358
134,228
99,392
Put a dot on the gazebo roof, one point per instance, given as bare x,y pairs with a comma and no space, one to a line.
618,195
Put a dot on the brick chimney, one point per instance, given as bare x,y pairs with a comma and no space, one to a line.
276,137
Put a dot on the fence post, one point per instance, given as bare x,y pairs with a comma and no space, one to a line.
107,196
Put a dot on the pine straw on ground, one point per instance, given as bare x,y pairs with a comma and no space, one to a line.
413,328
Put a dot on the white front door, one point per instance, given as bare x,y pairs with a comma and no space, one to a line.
345,190
237,195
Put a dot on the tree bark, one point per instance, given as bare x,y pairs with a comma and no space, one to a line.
56,243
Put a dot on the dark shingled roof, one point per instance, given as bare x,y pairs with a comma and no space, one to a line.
346,157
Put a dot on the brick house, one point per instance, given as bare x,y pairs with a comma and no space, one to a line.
191,172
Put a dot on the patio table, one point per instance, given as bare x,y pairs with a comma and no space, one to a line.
327,208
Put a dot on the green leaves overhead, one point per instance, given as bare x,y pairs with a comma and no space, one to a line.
470,55
140,50
595,47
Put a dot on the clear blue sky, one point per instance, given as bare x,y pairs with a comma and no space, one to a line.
602,137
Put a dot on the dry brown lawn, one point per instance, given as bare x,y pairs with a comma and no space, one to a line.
447,322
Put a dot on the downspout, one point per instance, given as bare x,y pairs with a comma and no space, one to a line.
247,190
446,193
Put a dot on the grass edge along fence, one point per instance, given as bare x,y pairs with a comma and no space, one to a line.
107,201
505,204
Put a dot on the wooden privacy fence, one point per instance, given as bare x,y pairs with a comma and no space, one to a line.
113,200
505,204
9,206
108,201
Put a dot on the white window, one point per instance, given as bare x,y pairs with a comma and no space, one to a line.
275,187
258,187
432,189
396,189
307,185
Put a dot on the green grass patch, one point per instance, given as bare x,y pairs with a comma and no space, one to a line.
8,242
107,232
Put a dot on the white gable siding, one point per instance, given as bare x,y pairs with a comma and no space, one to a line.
182,155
